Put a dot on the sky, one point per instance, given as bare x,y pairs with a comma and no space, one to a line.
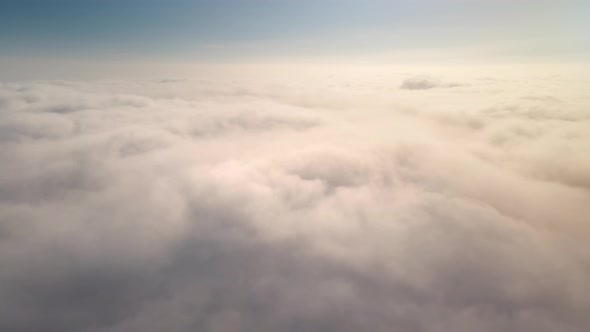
249,30
294,166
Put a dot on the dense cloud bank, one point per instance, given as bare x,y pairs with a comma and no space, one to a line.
333,204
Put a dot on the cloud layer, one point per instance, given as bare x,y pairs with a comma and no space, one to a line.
334,202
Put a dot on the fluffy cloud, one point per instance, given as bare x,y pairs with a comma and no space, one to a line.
425,83
308,204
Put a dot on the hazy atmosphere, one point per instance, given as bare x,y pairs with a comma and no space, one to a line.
296,166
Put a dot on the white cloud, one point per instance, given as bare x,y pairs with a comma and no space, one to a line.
425,83
322,203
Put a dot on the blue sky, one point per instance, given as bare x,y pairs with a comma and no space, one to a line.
240,28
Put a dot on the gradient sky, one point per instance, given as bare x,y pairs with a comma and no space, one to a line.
231,29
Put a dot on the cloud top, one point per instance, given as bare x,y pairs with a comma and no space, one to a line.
324,203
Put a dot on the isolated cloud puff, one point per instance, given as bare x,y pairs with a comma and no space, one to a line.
240,206
425,83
